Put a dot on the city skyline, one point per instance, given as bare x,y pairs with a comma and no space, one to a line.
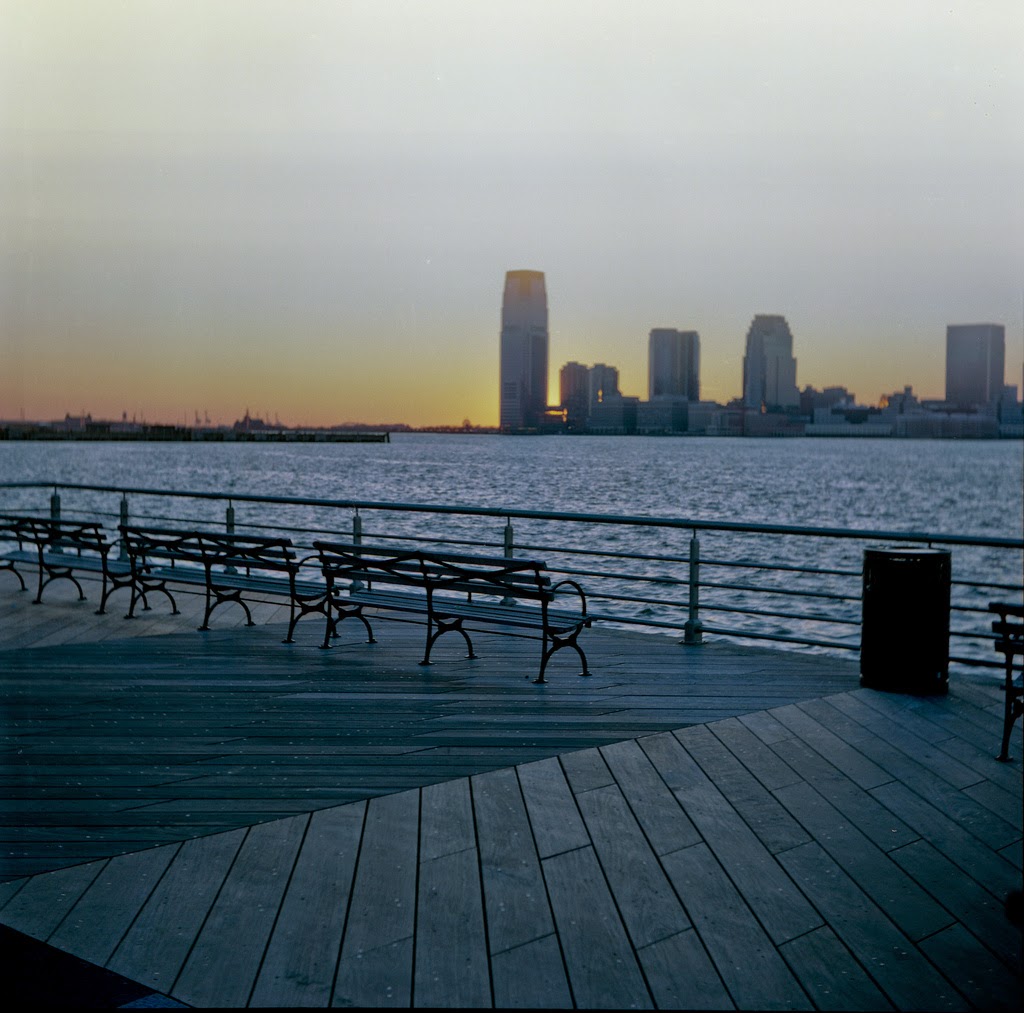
307,208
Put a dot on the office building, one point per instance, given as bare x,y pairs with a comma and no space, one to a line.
604,384
523,397
574,393
769,369
975,362
673,364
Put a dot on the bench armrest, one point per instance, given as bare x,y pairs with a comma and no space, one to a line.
576,587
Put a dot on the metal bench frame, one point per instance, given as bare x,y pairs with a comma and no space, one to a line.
224,565
1010,644
442,586
59,548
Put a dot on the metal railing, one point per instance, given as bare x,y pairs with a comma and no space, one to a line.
786,584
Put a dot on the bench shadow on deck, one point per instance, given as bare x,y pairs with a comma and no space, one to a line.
230,821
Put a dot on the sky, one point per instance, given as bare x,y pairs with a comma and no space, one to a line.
307,208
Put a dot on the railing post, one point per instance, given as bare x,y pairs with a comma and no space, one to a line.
123,554
693,631
55,506
229,528
357,539
510,551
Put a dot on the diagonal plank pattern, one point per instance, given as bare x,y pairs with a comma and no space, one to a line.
831,850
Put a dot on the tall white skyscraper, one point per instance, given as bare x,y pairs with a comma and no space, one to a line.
975,363
769,369
523,396
673,364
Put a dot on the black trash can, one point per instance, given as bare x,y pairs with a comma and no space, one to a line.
904,645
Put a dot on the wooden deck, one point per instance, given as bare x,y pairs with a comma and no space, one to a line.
229,821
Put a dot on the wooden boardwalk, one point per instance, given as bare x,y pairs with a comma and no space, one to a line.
229,821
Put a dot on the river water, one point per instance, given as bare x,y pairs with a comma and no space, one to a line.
945,487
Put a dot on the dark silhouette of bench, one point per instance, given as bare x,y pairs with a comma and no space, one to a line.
1009,631
227,566
58,549
451,589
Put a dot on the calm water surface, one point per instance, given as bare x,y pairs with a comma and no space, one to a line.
947,486
939,487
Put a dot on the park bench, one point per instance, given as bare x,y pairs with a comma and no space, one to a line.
58,548
227,566
451,589
1009,631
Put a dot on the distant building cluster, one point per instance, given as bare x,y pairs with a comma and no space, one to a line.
977,404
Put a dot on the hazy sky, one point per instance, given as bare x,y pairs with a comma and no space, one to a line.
308,208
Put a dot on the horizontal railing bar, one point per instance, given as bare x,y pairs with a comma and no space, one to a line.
686,559
827,595
637,521
780,638
607,596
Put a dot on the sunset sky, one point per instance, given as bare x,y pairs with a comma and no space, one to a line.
307,208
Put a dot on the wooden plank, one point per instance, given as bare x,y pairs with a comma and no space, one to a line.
531,976
645,899
753,972
912,910
852,763
222,967
43,902
1009,806
602,968
754,754
446,819
8,890
872,818
907,979
903,736
986,983
301,958
155,947
776,829
680,974
829,973
555,820
958,805
515,900
762,881
993,872
983,760
376,956
98,922
585,769
451,947
903,710
765,727
975,907
656,809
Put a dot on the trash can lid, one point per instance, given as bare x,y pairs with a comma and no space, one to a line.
905,551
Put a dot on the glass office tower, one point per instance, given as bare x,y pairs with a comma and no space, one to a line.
523,395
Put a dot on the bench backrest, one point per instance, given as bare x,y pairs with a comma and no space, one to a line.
1009,627
433,571
47,532
209,548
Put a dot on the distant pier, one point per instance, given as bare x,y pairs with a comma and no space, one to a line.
184,434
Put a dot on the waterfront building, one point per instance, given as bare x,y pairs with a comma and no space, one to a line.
574,393
604,384
663,415
769,369
975,362
673,364
614,415
523,397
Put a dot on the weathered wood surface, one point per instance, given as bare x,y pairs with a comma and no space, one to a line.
460,837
